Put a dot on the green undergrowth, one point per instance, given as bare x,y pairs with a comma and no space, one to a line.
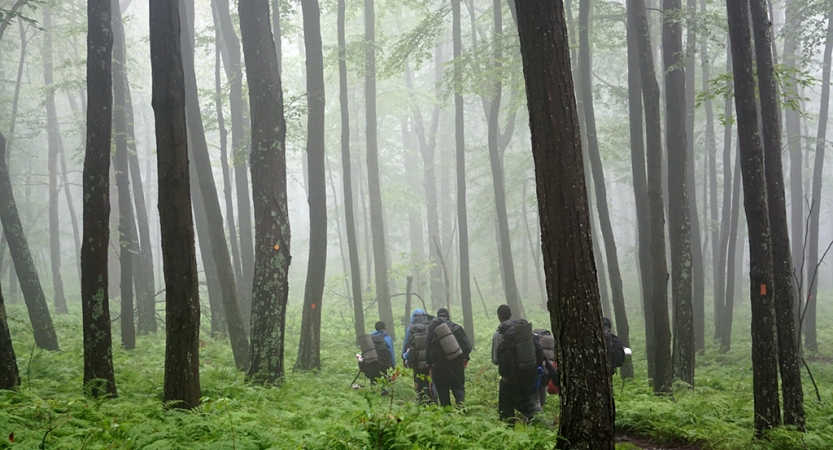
319,410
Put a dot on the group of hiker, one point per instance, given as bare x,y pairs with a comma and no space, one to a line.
437,350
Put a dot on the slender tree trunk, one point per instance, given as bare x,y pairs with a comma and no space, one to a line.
788,351
764,356
240,154
460,144
729,210
679,229
715,225
211,201
640,188
309,347
792,120
9,374
723,325
98,349
349,221
586,388
618,296
182,302
659,272
374,184
55,147
209,268
268,166
808,321
76,234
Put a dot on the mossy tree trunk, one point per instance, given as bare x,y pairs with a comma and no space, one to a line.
9,374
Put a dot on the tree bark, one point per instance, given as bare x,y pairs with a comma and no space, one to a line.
347,175
659,272
98,349
792,120
268,166
182,302
764,360
55,147
783,290
729,210
211,202
209,268
309,347
587,407
9,374
374,184
718,246
723,326
679,228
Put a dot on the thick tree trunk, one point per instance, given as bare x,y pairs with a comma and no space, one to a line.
347,174
182,302
587,407
55,147
374,184
268,166
98,349
201,161
788,351
679,230
659,272
240,155
309,347
764,350
808,322
9,374
618,296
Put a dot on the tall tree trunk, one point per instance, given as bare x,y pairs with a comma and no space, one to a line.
698,281
347,174
792,120
808,322
679,230
788,351
240,154
373,182
203,236
98,348
460,146
268,166
55,147
718,246
764,360
659,272
729,210
586,387
618,296
9,374
309,347
182,301
723,326
76,234
211,201
640,188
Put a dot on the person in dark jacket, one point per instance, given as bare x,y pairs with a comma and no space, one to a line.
520,394
448,374
414,354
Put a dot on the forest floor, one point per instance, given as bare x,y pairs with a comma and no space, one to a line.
319,410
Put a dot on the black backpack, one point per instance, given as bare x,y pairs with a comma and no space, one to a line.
462,338
547,342
418,344
519,355
615,351
382,350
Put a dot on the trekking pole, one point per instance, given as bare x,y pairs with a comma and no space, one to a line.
357,377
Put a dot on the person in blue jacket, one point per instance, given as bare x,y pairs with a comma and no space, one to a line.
381,331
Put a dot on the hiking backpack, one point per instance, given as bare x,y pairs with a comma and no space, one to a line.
382,350
547,342
418,344
615,351
519,355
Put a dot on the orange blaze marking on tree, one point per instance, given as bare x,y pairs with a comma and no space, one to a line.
277,246
312,306
763,289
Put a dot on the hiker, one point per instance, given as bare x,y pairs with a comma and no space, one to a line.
447,357
414,354
616,351
519,358
549,377
377,355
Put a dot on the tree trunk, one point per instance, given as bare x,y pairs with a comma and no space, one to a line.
268,166
209,268
9,374
347,174
723,326
586,388
539,277
788,351
71,207
460,147
764,360
715,225
374,184
729,210
211,201
182,301
55,147
640,188
659,272
240,154
679,229
415,227
808,320
98,349
309,347
618,296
